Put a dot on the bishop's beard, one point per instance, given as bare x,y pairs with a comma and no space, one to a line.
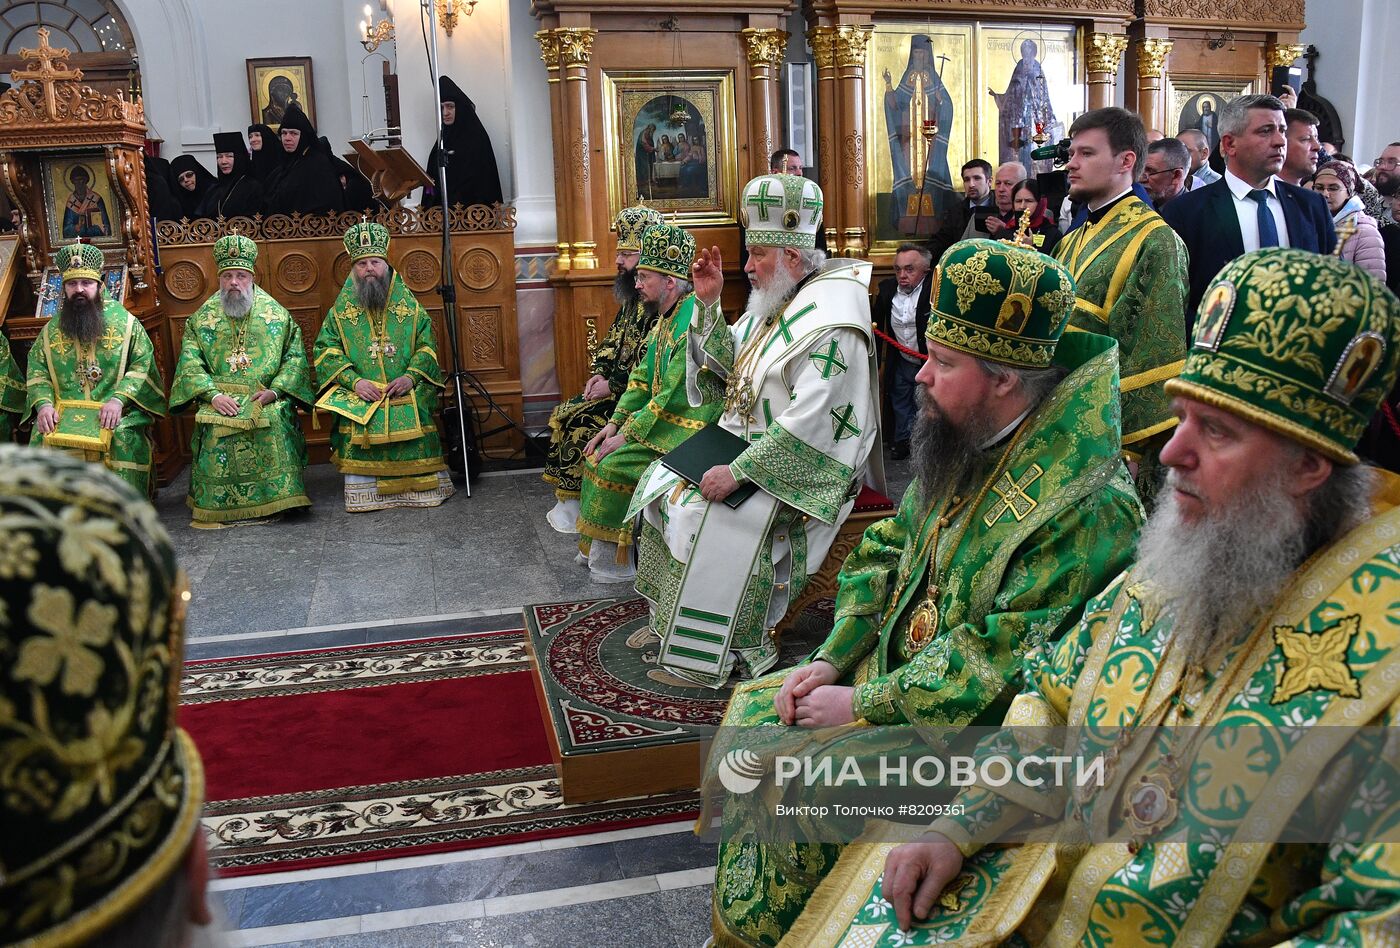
372,293
625,288
1216,576
80,317
943,455
236,302
770,300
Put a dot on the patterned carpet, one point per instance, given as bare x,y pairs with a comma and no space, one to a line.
370,752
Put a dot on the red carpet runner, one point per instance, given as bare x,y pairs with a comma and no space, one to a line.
372,752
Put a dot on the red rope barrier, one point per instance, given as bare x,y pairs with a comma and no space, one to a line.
896,343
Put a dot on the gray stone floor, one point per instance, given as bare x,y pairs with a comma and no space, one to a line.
490,551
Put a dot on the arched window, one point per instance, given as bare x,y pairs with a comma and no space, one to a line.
84,26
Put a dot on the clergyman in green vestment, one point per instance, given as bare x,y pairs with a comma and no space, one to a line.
1130,274
654,414
379,376
1238,687
575,422
1020,509
93,383
243,369
11,390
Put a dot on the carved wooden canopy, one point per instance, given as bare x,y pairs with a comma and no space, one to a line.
48,107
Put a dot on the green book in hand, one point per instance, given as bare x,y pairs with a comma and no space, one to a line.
709,446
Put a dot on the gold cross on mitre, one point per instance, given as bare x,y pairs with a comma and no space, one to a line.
1013,495
42,69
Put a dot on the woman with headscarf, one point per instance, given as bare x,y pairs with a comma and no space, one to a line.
472,177
192,183
265,152
305,183
1337,182
237,193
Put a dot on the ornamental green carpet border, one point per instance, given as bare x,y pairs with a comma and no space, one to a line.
604,687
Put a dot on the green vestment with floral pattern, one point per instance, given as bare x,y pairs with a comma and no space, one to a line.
574,423
354,344
11,390
1052,523
241,473
126,369
1130,276
1279,757
654,415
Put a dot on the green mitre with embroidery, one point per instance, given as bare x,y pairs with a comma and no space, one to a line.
781,210
79,262
235,252
100,790
632,222
1000,302
367,239
1302,344
668,250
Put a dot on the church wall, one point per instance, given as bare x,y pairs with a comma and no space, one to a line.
1356,40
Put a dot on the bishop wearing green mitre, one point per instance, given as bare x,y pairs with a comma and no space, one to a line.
243,370
377,364
93,385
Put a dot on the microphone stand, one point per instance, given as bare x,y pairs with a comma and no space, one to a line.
466,435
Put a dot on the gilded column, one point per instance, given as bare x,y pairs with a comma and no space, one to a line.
765,49
1102,54
575,50
549,52
1151,62
823,43
849,45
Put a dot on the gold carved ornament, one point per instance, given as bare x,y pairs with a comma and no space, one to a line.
822,39
1152,57
849,44
575,45
1280,55
765,47
549,48
46,91
1104,51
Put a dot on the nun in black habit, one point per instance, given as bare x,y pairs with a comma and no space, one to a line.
357,191
306,183
192,182
265,152
237,193
472,177
160,199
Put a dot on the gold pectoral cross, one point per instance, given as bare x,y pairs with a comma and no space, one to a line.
380,345
238,360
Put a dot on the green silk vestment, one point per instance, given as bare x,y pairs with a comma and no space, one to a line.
1053,523
574,423
126,360
354,344
1324,663
654,415
244,473
1130,277
11,390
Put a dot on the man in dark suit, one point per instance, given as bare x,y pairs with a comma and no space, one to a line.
977,192
901,312
1249,207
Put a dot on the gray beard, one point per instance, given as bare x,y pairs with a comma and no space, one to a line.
769,301
943,456
235,302
373,292
625,288
1219,575
80,318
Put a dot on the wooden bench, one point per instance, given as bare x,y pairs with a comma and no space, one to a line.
871,505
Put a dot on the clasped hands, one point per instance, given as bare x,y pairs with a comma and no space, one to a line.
810,697
371,392
46,420
228,405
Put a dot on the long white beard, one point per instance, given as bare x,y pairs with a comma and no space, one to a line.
771,299
1218,575
236,303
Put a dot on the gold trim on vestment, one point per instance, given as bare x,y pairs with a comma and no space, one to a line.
1143,379
389,468
206,515
1142,434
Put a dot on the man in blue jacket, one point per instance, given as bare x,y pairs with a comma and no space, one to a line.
1249,208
